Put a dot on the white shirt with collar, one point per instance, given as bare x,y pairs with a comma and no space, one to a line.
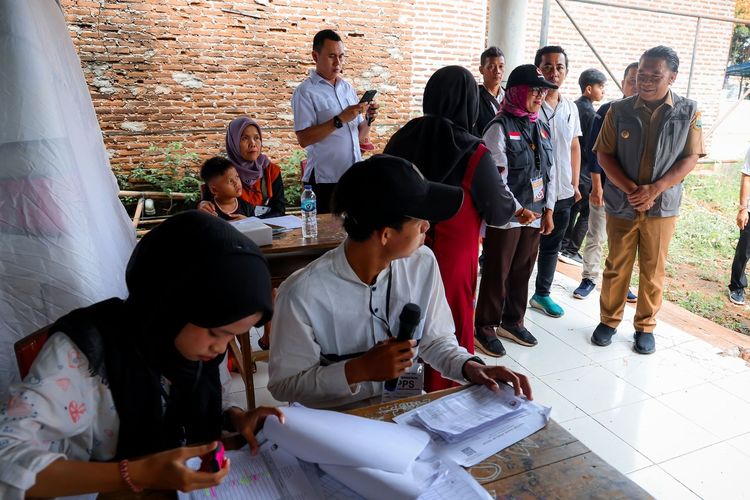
564,125
316,101
323,312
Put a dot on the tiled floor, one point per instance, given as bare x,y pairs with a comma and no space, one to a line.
676,422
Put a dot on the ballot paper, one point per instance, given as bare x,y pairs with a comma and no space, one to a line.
253,228
272,474
285,221
339,439
469,446
446,417
452,483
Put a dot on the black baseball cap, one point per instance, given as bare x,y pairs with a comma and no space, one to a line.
385,186
528,74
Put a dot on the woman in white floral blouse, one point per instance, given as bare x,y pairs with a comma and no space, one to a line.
122,388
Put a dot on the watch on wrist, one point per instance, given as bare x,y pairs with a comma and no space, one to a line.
337,122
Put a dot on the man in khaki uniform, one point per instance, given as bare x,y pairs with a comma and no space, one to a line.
647,145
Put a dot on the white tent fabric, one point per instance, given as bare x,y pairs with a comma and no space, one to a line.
64,236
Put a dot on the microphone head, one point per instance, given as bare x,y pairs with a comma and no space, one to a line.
411,314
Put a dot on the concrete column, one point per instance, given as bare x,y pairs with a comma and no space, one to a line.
507,29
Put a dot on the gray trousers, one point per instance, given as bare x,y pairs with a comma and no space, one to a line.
595,238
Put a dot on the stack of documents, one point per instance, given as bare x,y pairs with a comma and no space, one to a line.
471,425
318,454
447,417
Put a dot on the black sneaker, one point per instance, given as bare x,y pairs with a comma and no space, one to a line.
487,342
517,334
644,343
603,335
737,297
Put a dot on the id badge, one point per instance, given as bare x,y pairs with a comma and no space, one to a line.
537,187
261,210
410,383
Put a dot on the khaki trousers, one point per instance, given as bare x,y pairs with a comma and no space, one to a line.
648,237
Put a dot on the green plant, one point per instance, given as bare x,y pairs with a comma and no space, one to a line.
176,172
290,171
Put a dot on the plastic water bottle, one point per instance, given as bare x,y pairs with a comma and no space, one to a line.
309,213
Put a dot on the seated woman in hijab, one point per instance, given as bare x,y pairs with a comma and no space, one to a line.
443,148
124,390
262,184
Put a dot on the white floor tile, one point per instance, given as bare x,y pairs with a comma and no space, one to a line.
654,430
594,389
742,443
549,356
738,384
659,373
236,385
712,408
238,399
716,472
264,398
611,448
260,377
580,339
711,359
661,485
562,409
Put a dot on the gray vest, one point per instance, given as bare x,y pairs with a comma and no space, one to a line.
630,144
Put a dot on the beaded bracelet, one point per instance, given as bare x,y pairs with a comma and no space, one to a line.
126,477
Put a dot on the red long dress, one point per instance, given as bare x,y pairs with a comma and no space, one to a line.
455,243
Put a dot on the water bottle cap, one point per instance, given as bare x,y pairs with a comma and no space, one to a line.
308,186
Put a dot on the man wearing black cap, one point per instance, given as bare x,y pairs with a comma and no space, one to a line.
333,343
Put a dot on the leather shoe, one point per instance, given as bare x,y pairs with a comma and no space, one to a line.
644,343
603,335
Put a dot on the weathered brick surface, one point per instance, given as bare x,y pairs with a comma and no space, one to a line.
179,70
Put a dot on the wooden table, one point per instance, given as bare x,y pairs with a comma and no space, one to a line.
550,463
289,252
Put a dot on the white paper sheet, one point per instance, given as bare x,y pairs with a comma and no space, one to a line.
452,483
448,416
273,474
285,221
489,439
332,438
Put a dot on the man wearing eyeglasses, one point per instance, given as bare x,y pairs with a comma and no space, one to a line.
647,145
561,115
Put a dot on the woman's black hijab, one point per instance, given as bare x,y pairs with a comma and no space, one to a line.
193,268
441,140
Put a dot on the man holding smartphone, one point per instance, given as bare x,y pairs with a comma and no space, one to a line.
329,120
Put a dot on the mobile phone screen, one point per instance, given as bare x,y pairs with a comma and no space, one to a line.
368,96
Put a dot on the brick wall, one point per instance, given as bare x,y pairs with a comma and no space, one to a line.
179,70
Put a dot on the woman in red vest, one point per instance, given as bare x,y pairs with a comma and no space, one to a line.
442,147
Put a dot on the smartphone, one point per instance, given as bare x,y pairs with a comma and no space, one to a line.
368,96
214,460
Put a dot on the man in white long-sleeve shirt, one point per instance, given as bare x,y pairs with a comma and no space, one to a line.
335,324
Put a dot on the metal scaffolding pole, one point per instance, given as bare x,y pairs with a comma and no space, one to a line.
580,32
692,59
545,24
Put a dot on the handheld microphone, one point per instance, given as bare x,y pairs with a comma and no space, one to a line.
408,321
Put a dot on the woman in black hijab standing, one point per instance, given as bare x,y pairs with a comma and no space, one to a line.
137,381
442,147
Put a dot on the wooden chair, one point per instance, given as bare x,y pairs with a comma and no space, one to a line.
27,349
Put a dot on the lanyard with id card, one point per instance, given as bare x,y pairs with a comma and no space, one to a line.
537,180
